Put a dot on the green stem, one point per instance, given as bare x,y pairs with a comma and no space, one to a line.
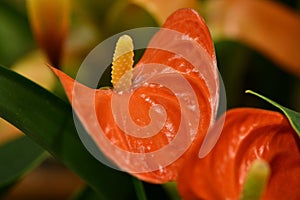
139,188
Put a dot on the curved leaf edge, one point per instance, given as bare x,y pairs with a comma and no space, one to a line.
292,116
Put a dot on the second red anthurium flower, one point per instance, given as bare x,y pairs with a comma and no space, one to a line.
248,135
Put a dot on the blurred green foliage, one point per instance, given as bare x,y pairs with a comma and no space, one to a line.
15,34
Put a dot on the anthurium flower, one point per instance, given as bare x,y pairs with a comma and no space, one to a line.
247,135
50,24
166,118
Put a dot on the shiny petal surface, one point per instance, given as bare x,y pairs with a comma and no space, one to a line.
168,121
248,134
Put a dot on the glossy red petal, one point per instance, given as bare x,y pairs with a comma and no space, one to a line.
190,23
187,48
248,134
166,82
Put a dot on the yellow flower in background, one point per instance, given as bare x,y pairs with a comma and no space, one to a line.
50,24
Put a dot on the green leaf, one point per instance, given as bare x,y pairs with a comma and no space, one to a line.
293,116
49,122
17,158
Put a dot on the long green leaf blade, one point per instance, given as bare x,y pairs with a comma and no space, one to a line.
48,121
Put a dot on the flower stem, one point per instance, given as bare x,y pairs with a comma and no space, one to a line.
139,188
